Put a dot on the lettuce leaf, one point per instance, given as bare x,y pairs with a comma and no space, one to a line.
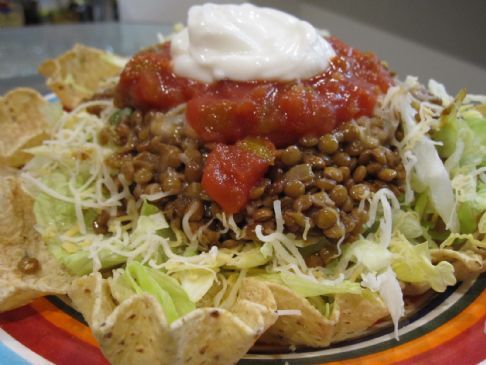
196,282
141,279
307,288
323,306
412,263
80,263
53,213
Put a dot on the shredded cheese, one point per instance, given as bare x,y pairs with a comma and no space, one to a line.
288,312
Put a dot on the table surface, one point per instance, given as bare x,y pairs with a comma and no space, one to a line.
23,49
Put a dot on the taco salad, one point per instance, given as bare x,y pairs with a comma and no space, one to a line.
247,180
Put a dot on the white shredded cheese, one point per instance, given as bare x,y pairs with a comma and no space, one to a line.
288,312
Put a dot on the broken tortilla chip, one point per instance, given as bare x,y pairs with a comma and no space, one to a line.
77,74
19,240
311,328
25,121
137,332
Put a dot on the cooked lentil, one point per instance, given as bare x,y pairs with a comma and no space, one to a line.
29,265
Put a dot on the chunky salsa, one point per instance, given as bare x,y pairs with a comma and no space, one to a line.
227,111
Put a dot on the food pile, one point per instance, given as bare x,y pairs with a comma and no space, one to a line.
183,202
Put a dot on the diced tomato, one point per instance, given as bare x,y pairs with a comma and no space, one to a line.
232,171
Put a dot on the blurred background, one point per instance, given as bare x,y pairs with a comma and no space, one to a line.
443,39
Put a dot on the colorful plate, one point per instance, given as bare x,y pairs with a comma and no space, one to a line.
450,329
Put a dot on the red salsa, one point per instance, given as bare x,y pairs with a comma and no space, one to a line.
228,111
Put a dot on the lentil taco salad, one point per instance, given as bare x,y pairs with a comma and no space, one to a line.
248,180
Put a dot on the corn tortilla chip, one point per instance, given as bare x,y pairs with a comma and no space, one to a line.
77,74
467,264
310,328
18,239
136,331
352,314
25,121
357,313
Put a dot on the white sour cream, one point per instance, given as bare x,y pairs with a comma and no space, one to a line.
245,42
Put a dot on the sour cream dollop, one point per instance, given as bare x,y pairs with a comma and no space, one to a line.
245,42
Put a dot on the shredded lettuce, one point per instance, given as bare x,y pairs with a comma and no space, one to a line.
463,142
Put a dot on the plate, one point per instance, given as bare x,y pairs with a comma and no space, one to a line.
449,330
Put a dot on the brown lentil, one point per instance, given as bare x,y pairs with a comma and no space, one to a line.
328,144
302,203
335,232
333,173
291,155
152,189
29,265
373,168
262,215
256,192
379,155
100,223
314,260
350,132
229,243
348,205
192,172
345,171
294,188
359,174
325,184
143,175
326,218
342,159
359,192
308,141
387,174
339,195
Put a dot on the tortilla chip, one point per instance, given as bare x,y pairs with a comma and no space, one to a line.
467,264
136,331
414,289
77,74
17,240
310,328
25,121
357,314
351,315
